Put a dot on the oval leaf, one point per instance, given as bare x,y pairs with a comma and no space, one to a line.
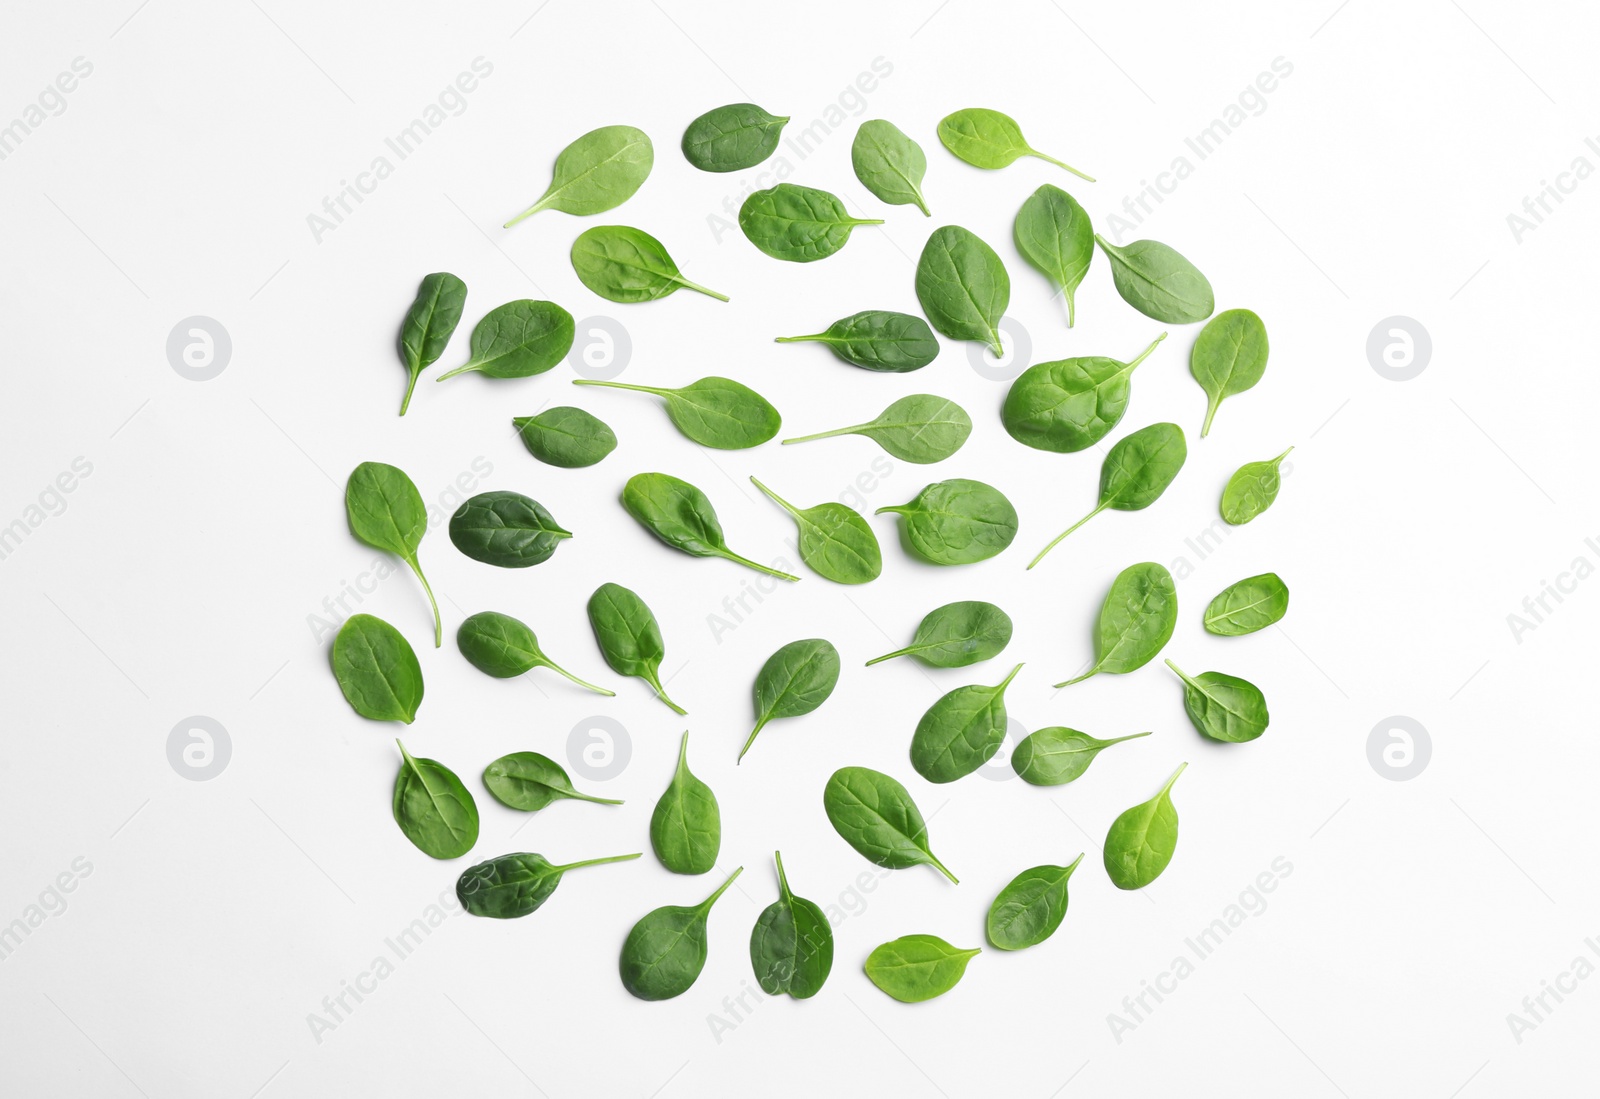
506,529
518,340
1030,908
714,412
914,968
875,815
791,946
1136,620
433,809
732,138
889,164
377,669
961,731
956,635
1070,404
794,681
567,437
1251,490
956,522
1141,841
800,224
921,429
1252,604
1159,282
963,287
666,950
686,827
878,340
599,171
624,264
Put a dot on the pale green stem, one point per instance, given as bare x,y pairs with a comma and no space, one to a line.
1211,410
775,498
1145,354
1173,779
731,556
411,385
597,862
751,739
438,626
705,905
942,869
624,385
681,281
827,434
459,370
1068,531
783,879
1059,164
557,668
823,336
1279,459
655,682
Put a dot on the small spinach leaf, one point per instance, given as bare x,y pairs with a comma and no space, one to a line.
963,287
624,264
629,636
1053,233
914,968
1159,282
878,340
429,323
686,827
1137,470
875,815
956,635
666,950
1229,356
499,645
598,172
889,164
986,138
1223,707
1136,620
835,540
921,429
377,669
1252,490
732,138
791,946
961,731
1029,909
794,681
511,886
385,511
1252,604
1057,755
1070,404
567,437
433,809
956,522
715,412
530,781
518,340
506,529
680,515
1141,841
796,223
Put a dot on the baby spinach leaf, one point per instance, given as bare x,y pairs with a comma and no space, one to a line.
1223,707
429,323
530,781
1229,356
629,636
714,412
1053,233
1251,490
1028,910
385,511
791,946
835,540
686,827
680,515
499,645
598,172
889,164
567,437
1057,755
1137,470
1070,404
732,138
794,681
988,139
914,968
624,264
511,886
963,286
875,815
1136,620
1141,841
879,340
956,635
666,950
797,223
1159,282
506,529
961,732
377,669
433,809
921,429
518,340
956,522
1252,604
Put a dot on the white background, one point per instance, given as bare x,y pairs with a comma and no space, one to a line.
179,576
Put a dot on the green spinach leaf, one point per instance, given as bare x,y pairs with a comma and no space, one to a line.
499,645
1137,470
1252,490
518,340
956,635
666,950
629,636
567,437
1141,841
835,540
791,946
530,781
433,809
986,138
1070,404
795,223
1136,620
429,323
385,511
680,515
878,340
1229,357
506,529
1252,604
598,172
377,669
963,286
956,522
914,968
1159,282
875,815
961,732
1223,707
624,264
1053,233
686,827
794,681
715,412
1029,909
1057,755
889,164
921,429
512,886
732,138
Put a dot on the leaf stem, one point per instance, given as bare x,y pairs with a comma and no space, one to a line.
826,434
866,221
1007,681
1120,739
751,739
438,626
1060,164
994,343
783,879
681,281
823,336
1145,354
1073,865
1180,674
1276,461
1211,410
1103,505
654,679
942,868
705,905
597,801
888,656
1174,778
473,365
557,668
731,556
405,402
597,862
624,385
1081,678
530,211
774,497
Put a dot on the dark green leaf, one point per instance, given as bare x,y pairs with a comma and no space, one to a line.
878,340
1057,755
680,515
433,809
956,522
1053,233
796,223
1137,470
567,437
956,635
889,164
732,138
963,286
530,781
518,340
377,670
499,645
1141,841
512,886
1229,357
1251,490
875,815
624,264
791,946
1252,604
506,529
666,950
914,968
1070,404
628,636
686,827
1136,620
835,541
714,412
1028,910
429,323
961,731
598,172
921,429
385,511
1223,707
794,681
986,138
1159,282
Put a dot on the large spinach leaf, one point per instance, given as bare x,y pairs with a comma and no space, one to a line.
518,340
791,946
1140,842
686,827
714,412
1137,470
835,541
377,669
914,968
795,680
921,429
499,645
1053,233
956,635
624,264
433,809
429,323
666,950
732,138
681,516
385,511
511,886
963,286
889,164
1069,405
800,224
878,340
956,522
985,138
875,815
1159,282
629,636
961,731
506,529
1136,620
598,172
